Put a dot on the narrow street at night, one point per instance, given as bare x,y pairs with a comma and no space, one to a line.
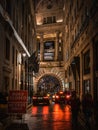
48,64
52,117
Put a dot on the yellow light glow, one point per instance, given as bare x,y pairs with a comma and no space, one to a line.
59,21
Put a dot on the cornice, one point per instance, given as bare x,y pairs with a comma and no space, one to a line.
50,27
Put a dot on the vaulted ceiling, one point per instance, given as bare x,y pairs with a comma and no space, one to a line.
41,5
49,14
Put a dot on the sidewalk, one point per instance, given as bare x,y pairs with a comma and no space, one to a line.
17,126
6,122
83,123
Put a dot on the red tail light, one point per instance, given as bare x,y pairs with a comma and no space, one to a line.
61,92
34,97
67,96
45,97
57,96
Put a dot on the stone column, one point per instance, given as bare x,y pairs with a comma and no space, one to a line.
57,46
81,74
41,48
92,69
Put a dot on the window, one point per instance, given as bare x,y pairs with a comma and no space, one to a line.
12,83
38,50
60,57
6,83
16,56
49,50
7,49
49,20
54,19
44,21
13,49
86,86
8,7
87,62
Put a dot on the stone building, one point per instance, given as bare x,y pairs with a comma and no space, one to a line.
49,31
64,33
16,43
81,45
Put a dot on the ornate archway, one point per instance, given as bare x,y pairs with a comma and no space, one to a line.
48,84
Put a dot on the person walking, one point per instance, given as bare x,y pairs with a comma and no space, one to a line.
75,108
87,108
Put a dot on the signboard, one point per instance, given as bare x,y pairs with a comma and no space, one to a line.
17,107
17,101
17,96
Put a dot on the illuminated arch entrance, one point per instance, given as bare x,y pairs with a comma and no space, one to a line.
48,84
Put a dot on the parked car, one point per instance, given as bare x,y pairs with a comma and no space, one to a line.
40,99
59,97
62,97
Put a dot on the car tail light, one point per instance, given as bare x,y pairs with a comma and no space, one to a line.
57,96
45,97
53,96
48,95
67,96
61,92
34,97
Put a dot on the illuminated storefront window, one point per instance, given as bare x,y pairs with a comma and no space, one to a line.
87,62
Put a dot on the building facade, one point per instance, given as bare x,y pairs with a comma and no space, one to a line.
81,41
65,35
49,31
17,43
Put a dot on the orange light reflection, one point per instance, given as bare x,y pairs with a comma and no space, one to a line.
34,110
45,110
59,112
67,113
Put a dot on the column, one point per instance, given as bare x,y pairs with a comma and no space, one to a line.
92,69
81,74
41,48
57,46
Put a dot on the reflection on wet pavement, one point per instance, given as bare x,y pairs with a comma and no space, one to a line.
54,117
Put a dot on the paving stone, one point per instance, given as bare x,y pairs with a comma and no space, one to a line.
17,126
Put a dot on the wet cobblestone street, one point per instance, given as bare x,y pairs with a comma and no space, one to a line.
54,117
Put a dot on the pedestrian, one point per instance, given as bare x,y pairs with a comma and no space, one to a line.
87,108
75,108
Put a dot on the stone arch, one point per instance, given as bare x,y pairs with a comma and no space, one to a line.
57,73
54,85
